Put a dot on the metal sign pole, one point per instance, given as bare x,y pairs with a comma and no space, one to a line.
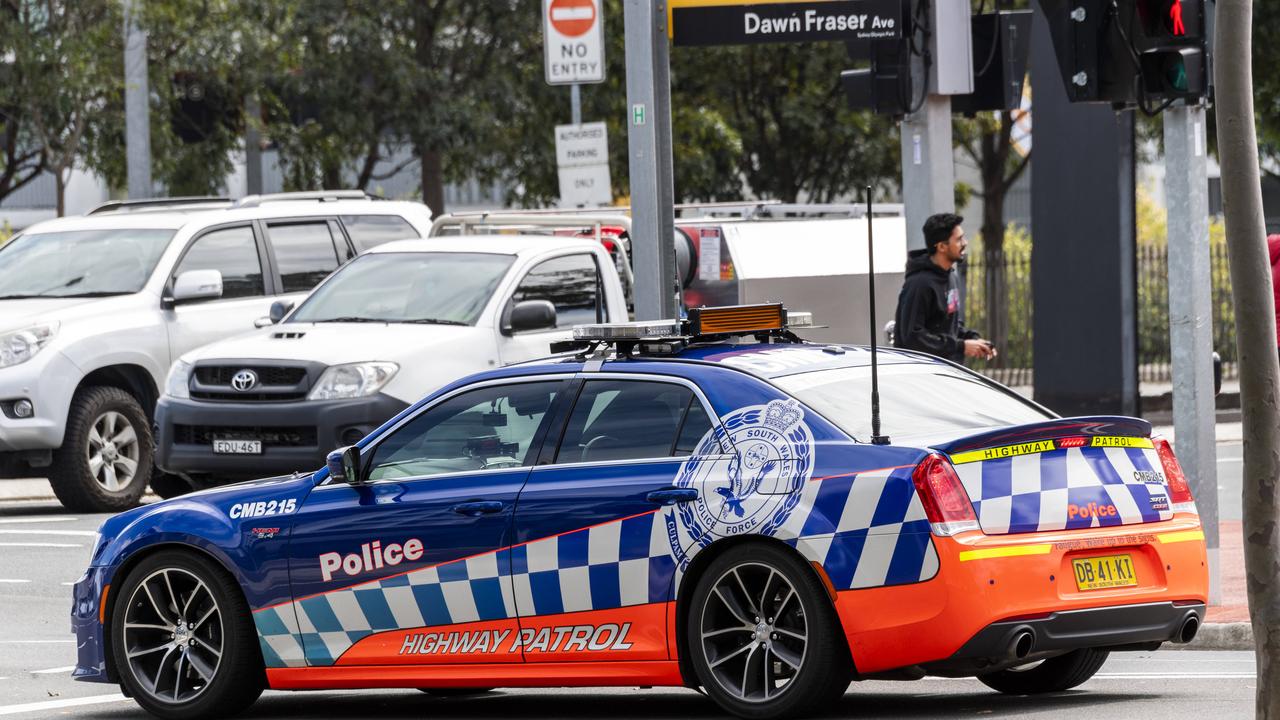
1186,183
136,106
575,103
649,154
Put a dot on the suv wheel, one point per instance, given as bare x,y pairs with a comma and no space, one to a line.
104,463
763,637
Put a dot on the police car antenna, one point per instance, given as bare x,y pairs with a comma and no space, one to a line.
876,437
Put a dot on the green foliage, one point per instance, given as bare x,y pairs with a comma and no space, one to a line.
1013,261
6,233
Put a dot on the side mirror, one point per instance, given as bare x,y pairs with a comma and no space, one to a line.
278,310
197,285
344,465
528,315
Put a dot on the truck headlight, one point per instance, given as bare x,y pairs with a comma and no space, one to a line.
178,384
353,380
20,346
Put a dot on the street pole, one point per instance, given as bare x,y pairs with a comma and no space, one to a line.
928,167
649,154
575,103
1186,184
252,145
137,122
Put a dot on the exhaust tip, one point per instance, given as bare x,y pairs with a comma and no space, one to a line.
1190,626
1022,643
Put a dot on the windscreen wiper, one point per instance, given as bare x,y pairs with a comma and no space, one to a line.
433,321
350,319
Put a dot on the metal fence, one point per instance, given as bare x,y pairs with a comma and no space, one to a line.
1006,277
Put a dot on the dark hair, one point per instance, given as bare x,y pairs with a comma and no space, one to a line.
938,229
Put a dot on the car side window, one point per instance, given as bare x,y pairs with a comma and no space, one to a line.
696,425
489,428
631,420
368,231
305,254
571,283
234,253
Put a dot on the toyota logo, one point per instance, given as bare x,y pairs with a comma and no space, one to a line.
244,381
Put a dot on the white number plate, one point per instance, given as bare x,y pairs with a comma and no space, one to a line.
237,447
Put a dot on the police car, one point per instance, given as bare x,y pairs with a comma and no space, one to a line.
694,503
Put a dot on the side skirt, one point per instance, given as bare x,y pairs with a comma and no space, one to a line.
576,674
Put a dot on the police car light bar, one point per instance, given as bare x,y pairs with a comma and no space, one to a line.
737,319
643,330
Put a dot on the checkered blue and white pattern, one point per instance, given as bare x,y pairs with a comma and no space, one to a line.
866,531
1033,493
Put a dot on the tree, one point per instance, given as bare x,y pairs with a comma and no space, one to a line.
21,157
1255,338
1266,89
69,60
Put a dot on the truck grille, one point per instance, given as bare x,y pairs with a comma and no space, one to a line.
273,383
300,436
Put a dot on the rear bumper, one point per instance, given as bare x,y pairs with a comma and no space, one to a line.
989,581
306,430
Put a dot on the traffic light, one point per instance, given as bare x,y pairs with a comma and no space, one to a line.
886,86
1130,52
201,107
1174,63
1001,43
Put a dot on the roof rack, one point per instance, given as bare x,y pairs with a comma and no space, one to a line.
252,201
203,202
767,322
775,210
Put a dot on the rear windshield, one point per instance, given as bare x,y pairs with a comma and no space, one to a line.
915,400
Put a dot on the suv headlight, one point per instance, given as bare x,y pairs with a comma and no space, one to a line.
178,384
353,380
20,346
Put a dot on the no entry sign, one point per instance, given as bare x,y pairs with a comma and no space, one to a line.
573,35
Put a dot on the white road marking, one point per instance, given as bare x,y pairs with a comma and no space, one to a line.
68,584
48,545
15,521
79,533
33,642
50,671
7,580
58,704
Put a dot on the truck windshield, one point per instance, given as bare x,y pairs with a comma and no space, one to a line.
915,400
424,287
81,263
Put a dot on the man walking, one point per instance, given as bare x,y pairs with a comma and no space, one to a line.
928,316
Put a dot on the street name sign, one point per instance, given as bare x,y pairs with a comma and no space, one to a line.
748,22
573,41
582,157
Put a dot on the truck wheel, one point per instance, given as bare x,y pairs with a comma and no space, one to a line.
182,639
105,459
1053,675
763,637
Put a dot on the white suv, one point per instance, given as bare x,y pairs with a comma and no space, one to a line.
94,309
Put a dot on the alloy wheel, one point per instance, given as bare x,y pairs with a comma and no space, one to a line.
113,451
173,635
754,632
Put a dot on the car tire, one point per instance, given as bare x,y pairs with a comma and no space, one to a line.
455,692
167,485
217,671
761,603
1053,675
84,477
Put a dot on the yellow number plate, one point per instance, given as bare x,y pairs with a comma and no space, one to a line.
1100,573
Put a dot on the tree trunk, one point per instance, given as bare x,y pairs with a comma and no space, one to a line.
432,180
60,188
993,260
1255,338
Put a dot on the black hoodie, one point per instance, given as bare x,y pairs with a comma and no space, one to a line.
928,316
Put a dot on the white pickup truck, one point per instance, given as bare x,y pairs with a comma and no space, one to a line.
391,326
93,310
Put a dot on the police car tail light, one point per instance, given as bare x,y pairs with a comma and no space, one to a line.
1180,497
946,503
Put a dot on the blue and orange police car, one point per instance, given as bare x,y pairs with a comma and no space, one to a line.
693,503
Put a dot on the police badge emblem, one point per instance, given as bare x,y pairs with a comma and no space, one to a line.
751,491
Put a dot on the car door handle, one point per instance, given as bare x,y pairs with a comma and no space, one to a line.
672,496
478,507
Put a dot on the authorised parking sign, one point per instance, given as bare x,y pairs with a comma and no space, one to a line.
573,38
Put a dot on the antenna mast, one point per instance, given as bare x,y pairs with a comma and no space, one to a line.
876,437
